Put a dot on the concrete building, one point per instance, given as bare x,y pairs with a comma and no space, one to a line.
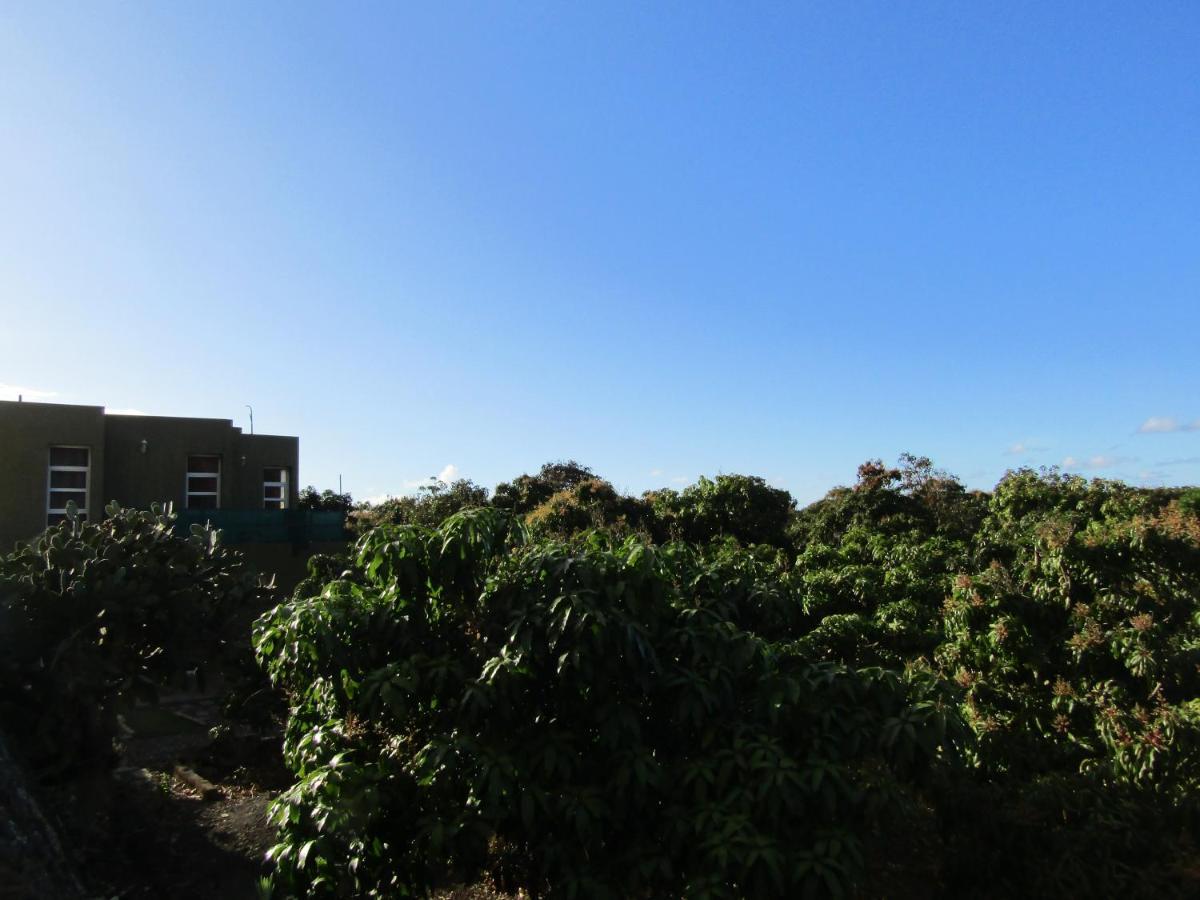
52,454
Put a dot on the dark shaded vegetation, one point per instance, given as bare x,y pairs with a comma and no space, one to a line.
97,615
906,689
527,492
431,504
100,622
324,501
601,718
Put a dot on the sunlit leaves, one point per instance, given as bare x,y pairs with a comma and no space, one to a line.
612,712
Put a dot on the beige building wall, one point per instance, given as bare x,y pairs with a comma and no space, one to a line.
137,478
27,432
252,454
135,460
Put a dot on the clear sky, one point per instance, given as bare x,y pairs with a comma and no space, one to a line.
663,239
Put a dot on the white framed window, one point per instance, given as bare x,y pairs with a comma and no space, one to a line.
203,482
275,488
69,472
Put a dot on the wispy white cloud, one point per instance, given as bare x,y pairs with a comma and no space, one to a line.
663,476
1180,461
1099,461
1166,425
125,411
1022,448
13,391
448,474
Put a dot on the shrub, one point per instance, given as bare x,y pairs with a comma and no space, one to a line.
875,598
324,501
527,492
599,718
1065,835
1079,644
429,507
1067,614
584,506
97,613
912,499
743,507
1189,502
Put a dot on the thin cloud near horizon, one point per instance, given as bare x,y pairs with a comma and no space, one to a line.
24,393
33,395
1021,448
1098,461
1166,425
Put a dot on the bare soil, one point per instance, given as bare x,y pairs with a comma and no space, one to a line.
141,832
146,832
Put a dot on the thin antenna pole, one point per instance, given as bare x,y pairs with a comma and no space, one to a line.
251,408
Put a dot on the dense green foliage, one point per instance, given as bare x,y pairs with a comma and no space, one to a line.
589,504
1189,501
739,506
96,613
596,719
432,504
324,501
1078,641
874,561
710,693
1076,638
527,492
905,689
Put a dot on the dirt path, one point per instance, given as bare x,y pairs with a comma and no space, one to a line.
142,833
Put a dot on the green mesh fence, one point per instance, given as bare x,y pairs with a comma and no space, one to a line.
267,526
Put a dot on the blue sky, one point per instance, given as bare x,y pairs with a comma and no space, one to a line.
664,239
